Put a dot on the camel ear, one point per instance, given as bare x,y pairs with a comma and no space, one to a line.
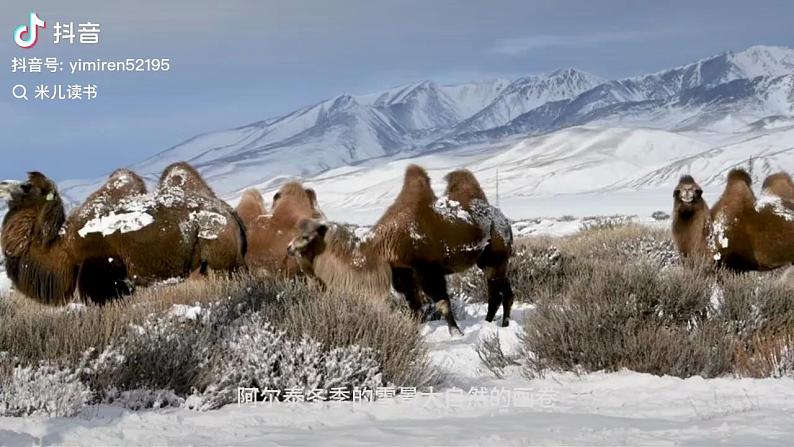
51,218
312,196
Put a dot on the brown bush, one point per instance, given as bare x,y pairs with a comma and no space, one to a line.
614,316
542,265
33,332
625,302
137,344
343,320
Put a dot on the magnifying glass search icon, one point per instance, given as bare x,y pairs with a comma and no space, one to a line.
20,92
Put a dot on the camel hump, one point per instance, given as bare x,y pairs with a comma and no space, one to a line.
252,197
181,175
126,180
463,187
740,175
779,184
416,171
416,185
251,206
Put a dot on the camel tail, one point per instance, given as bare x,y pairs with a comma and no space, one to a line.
243,233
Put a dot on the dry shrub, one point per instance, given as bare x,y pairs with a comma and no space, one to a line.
758,312
542,265
625,243
598,223
46,389
141,349
33,332
625,301
489,350
766,355
537,265
343,320
253,353
614,316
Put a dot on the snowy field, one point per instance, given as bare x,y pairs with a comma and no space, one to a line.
560,409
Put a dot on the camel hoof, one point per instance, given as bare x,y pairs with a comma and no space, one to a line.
489,318
505,322
455,330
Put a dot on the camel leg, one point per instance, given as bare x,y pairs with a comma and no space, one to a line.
201,272
507,301
499,292
494,298
404,282
101,280
434,284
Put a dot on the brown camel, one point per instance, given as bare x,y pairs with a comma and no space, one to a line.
270,234
418,240
251,206
691,219
119,236
749,233
38,261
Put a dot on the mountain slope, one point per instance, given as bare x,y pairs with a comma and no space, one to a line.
754,83
566,132
565,168
526,94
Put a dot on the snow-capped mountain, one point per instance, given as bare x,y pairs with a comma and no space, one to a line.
525,94
752,84
563,132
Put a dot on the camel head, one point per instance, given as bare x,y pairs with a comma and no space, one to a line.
295,196
310,241
688,195
37,193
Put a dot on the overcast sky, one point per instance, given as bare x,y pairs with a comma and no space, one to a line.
235,62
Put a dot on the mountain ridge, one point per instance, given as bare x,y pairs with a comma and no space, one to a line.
718,95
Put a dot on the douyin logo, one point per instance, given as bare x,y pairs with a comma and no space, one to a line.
26,35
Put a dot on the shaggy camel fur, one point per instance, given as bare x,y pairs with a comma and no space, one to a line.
270,234
749,233
251,206
691,219
119,236
418,240
38,260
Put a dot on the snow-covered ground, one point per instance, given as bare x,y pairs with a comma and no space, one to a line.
560,409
